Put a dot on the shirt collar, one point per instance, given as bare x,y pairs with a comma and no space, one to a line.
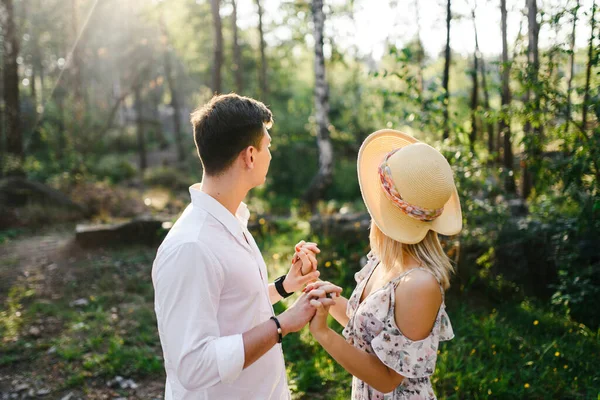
235,224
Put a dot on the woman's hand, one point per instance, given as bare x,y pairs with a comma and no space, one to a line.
322,296
304,267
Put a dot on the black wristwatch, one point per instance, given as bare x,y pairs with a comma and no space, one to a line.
279,286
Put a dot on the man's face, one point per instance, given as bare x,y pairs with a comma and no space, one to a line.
263,159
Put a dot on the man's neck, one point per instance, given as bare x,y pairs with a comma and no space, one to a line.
227,189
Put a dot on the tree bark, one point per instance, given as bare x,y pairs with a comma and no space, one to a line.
588,69
532,134
262,77
174,92
506,98
237,54
218,49
571,65
14,139
447,72
76,64
474,90
141,139
324,177
486,94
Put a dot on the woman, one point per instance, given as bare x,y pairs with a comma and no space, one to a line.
396,316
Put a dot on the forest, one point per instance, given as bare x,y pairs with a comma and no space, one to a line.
97,155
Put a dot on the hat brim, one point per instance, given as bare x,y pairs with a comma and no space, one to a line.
391,220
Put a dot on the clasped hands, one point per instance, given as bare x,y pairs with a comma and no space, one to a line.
317,297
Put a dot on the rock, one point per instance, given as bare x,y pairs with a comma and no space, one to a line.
79,303
51,350
35,331
348,227
43,392
143,230
21,388
68,396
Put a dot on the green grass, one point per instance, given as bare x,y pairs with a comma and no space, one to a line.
505,347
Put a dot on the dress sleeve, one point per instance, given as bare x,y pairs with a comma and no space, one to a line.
364,272
409,358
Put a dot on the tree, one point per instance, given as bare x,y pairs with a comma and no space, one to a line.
474,90
447,71
218,49
237,54
76,63
588,70
324,177
14,140
506,98
141,135
486,94
571,65
173,90
532,134
262,74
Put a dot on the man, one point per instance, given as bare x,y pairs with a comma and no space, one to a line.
213,303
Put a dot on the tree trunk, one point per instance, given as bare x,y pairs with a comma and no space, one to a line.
262,77
532,135
174,92
486,94
447,72
506,98
218,49
588,70
76,64
324,176
141,139
474,91
420,57
571,65
14,139
237,54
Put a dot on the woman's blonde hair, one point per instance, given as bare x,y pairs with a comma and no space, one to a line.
428,252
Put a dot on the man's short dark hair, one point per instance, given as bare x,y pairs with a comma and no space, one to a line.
225,126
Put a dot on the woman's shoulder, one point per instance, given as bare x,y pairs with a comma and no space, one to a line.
418,299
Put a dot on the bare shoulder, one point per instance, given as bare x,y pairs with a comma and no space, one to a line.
418,300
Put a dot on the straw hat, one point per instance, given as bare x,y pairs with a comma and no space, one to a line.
407,187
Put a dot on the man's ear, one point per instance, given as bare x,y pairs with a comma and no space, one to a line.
249,155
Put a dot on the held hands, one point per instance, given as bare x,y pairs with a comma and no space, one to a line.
305,308
304,267
321,294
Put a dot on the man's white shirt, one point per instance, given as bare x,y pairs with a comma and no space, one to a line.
211,285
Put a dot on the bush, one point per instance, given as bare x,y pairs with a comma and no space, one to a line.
167,177
115,168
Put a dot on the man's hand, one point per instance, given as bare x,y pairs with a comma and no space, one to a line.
304,267
297,316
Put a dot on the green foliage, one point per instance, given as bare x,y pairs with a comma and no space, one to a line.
167,177
112,167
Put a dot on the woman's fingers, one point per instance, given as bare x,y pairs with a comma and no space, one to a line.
324,291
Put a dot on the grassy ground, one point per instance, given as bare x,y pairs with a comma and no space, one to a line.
73,320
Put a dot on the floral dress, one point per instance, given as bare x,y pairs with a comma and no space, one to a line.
372,328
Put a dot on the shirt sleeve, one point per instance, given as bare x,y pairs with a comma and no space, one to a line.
188,284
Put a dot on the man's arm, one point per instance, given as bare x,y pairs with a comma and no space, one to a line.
188,286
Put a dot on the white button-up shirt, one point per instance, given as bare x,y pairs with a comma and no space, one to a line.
211,285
